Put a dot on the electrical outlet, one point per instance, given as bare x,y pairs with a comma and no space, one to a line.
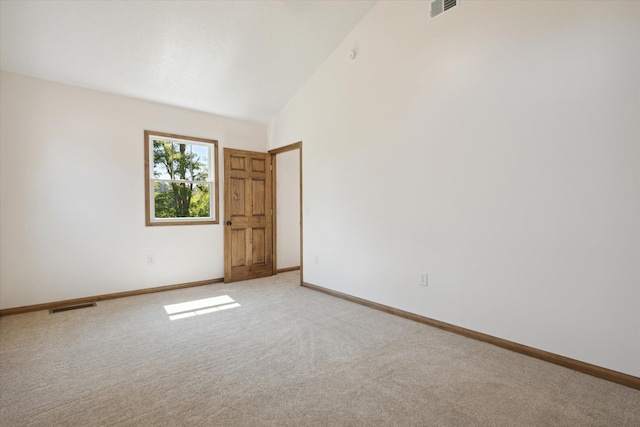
316,260
423,279
151,259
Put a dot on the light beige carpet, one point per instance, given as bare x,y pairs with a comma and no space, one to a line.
286,356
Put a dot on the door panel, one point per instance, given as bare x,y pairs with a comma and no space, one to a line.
259,165
236,204
238,253
248,223
259,249
259,195
237,163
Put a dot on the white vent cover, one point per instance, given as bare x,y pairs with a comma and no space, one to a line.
441,6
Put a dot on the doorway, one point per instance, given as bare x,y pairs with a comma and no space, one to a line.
286,163
259,225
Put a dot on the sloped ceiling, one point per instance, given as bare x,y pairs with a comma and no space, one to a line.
242,59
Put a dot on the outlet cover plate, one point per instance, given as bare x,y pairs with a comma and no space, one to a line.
423,279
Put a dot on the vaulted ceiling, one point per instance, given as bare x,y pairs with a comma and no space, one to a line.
242,59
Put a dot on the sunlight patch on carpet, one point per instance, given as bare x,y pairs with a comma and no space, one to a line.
198,307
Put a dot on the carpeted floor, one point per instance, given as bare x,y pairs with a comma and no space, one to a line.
286,356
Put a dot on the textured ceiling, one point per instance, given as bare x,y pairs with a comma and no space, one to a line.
242,59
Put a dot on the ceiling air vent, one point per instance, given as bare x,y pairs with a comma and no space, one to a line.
440,6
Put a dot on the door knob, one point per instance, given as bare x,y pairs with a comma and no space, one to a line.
228,222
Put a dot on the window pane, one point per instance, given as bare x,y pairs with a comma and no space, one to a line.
163,159
181,200
176,160
199,162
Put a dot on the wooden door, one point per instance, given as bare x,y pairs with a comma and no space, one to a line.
248,223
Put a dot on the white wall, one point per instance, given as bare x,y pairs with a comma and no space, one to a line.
72,203
496,147
288,210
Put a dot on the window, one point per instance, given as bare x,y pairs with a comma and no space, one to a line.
181,186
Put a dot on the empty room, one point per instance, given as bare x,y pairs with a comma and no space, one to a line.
320,213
